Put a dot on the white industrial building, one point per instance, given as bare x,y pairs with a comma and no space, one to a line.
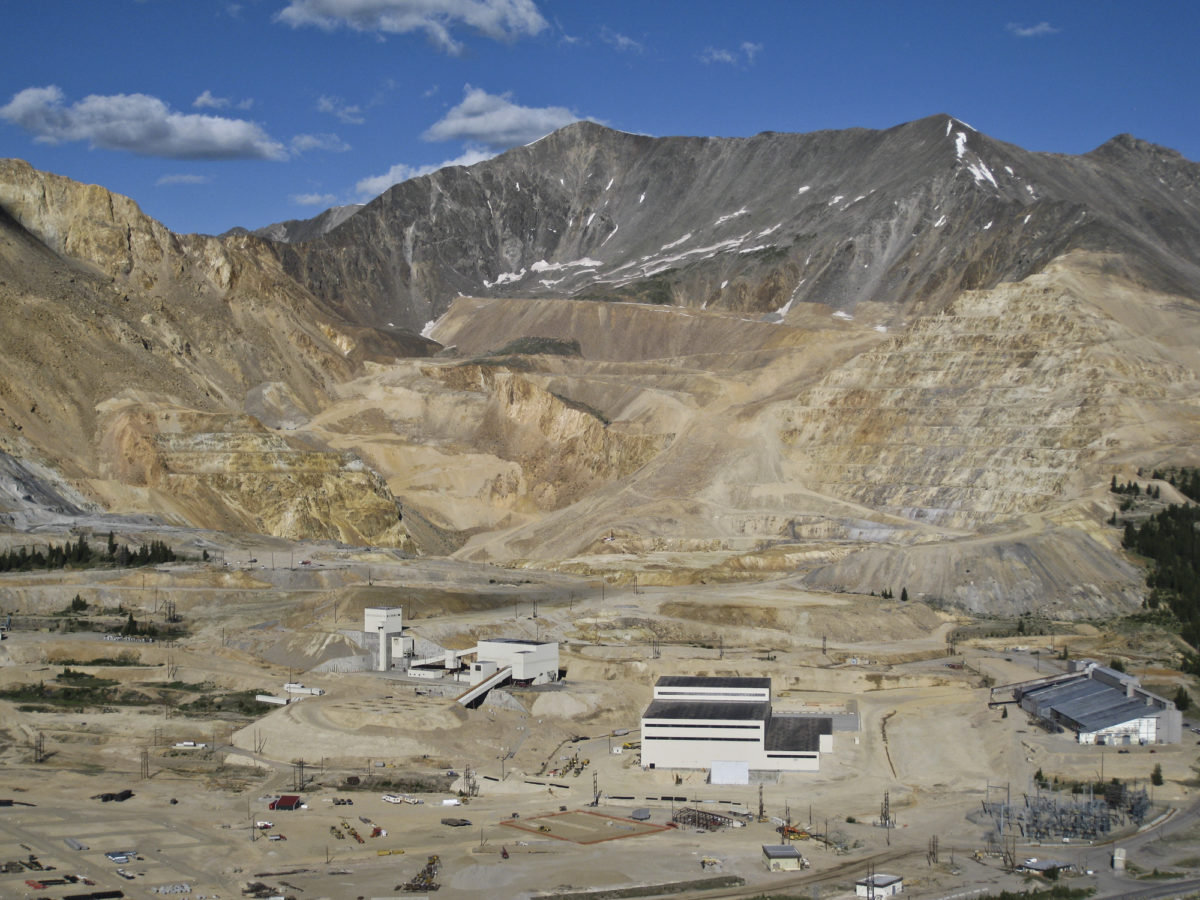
879,885
726,725
532,662
386,623
1101,706
496,660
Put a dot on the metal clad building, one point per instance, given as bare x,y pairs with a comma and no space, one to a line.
698,723
1102,706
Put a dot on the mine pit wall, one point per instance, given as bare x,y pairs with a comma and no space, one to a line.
1065,574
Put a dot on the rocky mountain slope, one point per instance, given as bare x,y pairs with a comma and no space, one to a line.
865,360
128,333
903,218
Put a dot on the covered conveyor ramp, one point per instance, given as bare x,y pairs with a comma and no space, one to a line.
472,694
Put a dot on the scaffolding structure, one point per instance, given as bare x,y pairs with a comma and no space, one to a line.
1043,815
699,818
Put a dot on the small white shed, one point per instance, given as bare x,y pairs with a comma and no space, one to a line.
885,885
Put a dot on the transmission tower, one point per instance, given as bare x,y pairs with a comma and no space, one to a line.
885,812
145,763
931,856
885,816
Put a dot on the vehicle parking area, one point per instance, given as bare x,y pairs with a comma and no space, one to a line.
164,853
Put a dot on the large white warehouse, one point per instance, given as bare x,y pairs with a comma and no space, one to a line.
726,723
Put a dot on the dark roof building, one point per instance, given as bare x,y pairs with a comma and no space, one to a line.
726,725
287,801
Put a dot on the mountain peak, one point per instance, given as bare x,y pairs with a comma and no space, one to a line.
753,224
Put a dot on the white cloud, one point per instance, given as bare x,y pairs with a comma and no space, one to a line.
498,19
331,142
313,199
493,120
375,185
208,101
731,57
1041,29
182,179
712,55
619,41
137,123
340,109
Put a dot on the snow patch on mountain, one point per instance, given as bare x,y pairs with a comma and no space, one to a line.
542,266
723,219
686,237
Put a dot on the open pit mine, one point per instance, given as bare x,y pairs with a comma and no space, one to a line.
689,514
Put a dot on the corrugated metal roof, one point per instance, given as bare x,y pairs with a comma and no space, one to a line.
880,880
801,733
1090,705
706,709
715,681
780,851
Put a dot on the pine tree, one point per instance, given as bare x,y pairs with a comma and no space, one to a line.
1183,699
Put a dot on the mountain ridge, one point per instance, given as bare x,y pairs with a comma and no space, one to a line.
864,207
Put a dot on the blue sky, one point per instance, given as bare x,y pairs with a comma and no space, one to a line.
212,114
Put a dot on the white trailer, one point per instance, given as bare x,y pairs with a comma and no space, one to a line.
269,698
295,687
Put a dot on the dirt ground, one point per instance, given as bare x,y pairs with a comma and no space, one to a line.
926,739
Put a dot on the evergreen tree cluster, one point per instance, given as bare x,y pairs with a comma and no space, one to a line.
1132,487
81,555
1169,539
1186,480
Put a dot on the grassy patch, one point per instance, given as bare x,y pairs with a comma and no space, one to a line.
123,659
240,703
405,784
